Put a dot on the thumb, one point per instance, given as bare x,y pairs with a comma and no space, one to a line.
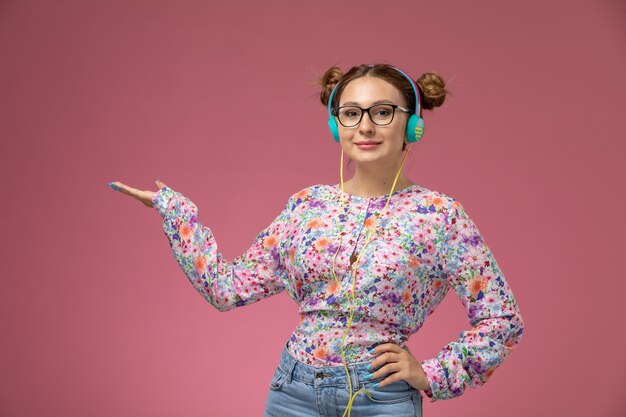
160,184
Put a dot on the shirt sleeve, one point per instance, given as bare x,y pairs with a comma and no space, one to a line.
471,270
257,274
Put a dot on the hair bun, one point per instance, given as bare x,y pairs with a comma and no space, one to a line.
432,90
328,81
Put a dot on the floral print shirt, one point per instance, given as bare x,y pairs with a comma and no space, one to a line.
423,244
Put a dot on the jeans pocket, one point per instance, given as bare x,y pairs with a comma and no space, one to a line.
278,379
395,392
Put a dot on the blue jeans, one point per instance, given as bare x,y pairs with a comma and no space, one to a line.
300,390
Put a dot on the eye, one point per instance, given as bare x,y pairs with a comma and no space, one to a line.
350,113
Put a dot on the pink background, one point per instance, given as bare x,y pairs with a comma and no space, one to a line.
216,100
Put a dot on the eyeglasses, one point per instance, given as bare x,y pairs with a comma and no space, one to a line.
380,114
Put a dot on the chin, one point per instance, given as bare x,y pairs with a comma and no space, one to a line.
370,161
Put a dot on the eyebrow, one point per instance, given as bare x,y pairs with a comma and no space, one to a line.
352,103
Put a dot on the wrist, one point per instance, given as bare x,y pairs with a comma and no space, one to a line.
419,382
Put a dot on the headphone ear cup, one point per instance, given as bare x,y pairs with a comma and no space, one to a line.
334,129
414,128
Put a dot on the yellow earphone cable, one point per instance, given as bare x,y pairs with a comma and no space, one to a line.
356,263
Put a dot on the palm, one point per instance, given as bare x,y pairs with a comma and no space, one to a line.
144,196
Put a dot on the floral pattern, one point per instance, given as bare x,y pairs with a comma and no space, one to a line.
423,244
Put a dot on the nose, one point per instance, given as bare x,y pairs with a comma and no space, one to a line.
366,125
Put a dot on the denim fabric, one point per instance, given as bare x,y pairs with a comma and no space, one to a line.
300,390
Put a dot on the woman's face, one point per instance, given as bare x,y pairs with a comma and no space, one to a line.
368,143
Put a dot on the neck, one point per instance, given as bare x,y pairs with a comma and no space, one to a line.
374,182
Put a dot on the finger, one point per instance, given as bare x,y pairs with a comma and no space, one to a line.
160,184
389,380
387,357
133,192
386,370
126,188
118,186
385,347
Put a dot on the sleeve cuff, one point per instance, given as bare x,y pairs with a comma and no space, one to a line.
161,199
434,373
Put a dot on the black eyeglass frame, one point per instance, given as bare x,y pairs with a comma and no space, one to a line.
393,113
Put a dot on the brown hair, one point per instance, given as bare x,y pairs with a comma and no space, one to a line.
431,85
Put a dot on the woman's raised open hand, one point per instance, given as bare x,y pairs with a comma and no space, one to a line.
144,196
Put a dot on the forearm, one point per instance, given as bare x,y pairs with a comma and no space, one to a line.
225,285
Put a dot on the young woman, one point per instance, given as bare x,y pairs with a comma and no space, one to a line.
366,260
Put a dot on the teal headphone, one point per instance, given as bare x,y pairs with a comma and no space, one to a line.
414,126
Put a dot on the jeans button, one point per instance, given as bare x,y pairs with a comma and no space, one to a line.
319,375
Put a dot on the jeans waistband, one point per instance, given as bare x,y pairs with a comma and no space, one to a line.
325,375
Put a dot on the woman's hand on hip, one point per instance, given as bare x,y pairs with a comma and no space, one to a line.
144,196
399,364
